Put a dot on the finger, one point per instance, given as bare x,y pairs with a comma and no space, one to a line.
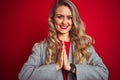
63,45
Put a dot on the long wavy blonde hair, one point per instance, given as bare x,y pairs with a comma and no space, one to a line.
80,40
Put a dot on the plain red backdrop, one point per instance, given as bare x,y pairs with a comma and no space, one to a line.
24,22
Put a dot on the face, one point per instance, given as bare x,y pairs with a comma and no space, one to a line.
63,19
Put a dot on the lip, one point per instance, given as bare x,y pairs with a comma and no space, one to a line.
63,26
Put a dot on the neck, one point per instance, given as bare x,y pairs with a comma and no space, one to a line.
64,37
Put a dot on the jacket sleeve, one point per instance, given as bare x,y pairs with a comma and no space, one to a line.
33,68
94,70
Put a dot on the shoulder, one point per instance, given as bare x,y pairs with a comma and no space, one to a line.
91,50
94,56
39,45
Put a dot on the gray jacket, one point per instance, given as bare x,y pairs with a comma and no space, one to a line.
35,68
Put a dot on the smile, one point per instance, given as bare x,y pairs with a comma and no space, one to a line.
63,26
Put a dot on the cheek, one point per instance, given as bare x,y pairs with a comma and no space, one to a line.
70,23
70,27
57,22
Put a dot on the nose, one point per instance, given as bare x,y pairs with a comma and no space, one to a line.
64,21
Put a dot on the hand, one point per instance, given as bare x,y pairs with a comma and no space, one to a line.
66,64
59,63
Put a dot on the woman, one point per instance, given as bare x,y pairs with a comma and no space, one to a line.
67,52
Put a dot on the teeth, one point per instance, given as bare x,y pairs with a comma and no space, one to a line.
63,26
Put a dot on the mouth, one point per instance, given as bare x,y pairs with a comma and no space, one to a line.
63,26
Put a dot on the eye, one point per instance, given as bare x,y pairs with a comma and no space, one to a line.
60,16
69,17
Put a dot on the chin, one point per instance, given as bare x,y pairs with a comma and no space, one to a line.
63,32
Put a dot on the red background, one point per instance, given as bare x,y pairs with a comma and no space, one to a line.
24,22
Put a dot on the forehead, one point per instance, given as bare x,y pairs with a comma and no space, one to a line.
63,10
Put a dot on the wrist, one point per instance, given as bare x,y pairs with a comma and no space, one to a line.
57,67
67,67
72,68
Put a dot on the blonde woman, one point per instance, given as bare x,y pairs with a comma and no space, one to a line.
67,53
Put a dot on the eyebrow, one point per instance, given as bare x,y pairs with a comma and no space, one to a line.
63,15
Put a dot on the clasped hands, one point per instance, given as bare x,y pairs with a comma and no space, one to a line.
62,60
